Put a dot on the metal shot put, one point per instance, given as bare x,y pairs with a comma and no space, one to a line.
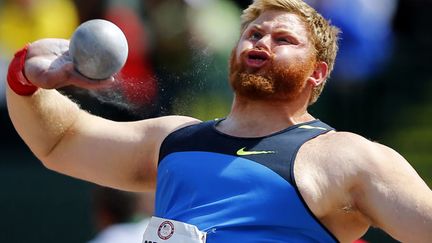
98,49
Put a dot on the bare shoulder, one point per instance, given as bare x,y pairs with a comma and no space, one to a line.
336,158
361,157
370,183
342,139
337,162
150,131
384,187
157,129
166,124
355,148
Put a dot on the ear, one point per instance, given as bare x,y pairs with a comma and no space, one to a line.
319,74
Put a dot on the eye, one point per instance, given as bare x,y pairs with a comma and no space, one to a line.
255,36
283,40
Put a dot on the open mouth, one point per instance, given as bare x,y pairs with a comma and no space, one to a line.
256,58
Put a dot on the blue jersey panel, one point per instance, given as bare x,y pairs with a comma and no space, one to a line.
233,199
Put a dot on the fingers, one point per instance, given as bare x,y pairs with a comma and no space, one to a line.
44,74
76,79
85,83
50,66
48,46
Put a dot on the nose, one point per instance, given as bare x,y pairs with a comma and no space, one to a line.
264,43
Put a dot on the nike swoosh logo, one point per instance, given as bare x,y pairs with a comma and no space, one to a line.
312,127
242,152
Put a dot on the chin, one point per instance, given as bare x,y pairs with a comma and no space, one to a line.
279,84
270,81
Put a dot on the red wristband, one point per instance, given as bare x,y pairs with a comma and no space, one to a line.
16,78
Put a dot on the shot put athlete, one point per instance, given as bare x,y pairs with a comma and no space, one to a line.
268,172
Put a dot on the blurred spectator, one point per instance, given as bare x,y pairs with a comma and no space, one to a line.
23,21
367,36
191,47
120,217
138,84
3,70
242,3
213,38
366,46
211,32
171,54
91,9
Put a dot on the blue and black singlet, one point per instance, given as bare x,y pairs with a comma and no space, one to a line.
237,189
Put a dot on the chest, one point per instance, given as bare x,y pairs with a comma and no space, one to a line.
219,191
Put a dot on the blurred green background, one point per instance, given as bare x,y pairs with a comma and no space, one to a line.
179,51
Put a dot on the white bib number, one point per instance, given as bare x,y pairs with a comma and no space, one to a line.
171,231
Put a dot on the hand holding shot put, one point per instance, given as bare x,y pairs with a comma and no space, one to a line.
268,172
49,65
97,50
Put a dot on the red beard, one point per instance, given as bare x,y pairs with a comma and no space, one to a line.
271,82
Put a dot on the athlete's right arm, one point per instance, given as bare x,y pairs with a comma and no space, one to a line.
73,142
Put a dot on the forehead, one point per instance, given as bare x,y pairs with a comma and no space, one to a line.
279,19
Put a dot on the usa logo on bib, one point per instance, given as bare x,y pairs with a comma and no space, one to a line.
166,230
171,231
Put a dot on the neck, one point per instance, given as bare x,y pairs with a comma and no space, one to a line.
256,118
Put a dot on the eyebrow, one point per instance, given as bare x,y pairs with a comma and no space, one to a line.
256,26
278,29
284,31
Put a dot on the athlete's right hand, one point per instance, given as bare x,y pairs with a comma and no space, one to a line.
49,66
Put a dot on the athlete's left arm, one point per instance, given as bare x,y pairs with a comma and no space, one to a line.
393,196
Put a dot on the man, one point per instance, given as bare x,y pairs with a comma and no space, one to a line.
268,172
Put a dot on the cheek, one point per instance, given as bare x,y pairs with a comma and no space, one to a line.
288,57
241,47
283,55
